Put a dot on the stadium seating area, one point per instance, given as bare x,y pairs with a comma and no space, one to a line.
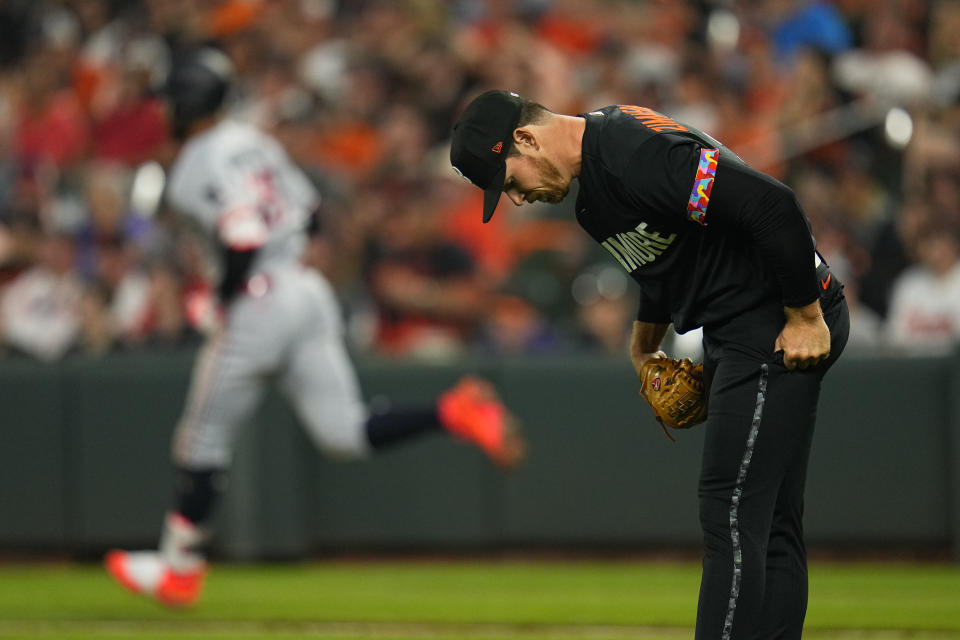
854,104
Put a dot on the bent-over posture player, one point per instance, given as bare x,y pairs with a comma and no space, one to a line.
277,318
712,243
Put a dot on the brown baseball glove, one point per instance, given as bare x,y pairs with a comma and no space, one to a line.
674,388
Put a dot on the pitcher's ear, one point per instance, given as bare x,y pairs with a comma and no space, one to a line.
525,137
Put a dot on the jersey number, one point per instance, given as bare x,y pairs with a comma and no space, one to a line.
270,204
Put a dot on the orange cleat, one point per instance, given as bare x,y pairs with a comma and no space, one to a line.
471,411
144,572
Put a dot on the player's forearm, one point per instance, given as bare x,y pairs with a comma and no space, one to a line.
806,313
645,341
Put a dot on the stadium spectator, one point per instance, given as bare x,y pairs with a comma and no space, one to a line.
891,251
96,336
52,125
513,326
428,291
605,309
925,302
23,215
808,24
40,308
129,125
108,219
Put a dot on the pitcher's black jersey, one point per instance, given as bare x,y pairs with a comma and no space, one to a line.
706,236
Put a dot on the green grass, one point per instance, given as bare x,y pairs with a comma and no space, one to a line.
502,600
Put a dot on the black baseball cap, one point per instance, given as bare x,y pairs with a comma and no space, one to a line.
482,136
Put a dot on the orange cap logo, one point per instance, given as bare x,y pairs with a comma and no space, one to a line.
497,148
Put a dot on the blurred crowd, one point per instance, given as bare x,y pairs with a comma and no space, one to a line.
853,103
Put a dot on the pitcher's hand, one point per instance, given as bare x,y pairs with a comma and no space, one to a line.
805,338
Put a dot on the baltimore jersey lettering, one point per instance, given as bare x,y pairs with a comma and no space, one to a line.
651,119
638,247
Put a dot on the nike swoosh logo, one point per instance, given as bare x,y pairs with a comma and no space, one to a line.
826,283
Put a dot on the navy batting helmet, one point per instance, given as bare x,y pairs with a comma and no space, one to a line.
197,87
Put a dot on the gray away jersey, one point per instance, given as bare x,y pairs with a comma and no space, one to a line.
244,192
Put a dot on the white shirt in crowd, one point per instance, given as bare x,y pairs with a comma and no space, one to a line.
924,310
39,313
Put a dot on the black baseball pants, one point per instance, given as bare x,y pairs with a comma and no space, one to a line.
758,437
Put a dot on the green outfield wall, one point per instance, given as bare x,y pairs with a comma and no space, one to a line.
84,462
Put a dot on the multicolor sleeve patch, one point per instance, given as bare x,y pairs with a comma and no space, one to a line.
702,186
